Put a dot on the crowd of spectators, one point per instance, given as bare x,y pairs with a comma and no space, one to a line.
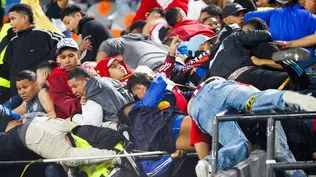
157,87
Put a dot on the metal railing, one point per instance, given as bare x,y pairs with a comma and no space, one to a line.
270,118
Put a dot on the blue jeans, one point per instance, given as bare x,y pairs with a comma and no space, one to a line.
124,6
220,95
55,170
14,102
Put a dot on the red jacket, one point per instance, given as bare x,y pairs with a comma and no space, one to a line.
65,102
186,29
147,5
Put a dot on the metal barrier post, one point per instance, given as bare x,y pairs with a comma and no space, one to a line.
215,145
270,146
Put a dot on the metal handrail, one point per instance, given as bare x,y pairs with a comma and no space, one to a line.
270,118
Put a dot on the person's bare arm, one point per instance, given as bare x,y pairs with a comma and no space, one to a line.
306,41
62,3
265,62
47,103
21,109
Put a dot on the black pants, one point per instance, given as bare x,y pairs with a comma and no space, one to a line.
4,94
264,79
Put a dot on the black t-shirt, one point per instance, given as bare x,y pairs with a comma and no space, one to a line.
53,11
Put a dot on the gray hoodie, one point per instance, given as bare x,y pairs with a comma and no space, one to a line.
108,93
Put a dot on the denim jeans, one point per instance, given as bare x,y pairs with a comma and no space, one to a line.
124,6
55,170
220,95
14,102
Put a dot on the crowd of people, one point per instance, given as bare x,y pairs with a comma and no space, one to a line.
155,88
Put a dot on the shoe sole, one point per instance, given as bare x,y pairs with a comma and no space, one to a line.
295,54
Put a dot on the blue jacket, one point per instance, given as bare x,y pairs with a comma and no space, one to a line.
288,23
157,168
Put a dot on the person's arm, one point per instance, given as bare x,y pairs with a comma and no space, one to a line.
20,110
145,6
266,62
264,15
170,61
92,114
6,112
47,103
62,3
59,94
252,38
306,41
109,48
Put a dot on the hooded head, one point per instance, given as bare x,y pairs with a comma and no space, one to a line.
113,67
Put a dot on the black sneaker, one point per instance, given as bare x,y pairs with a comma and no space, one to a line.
295,54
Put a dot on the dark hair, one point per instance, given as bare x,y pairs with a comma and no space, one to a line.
172,16
157,10
138,78
78,73
23,9
248,4
257,24
139,25
213,10
291,3
70,10
50,65
26,74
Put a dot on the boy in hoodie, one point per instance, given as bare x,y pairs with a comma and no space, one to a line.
66,103
92,31
103,97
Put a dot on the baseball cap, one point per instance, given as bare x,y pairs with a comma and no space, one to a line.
119,58
196,41
232,9
66,42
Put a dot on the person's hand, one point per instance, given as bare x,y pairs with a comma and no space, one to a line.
85,44
178,154
257,61
174,45
83,100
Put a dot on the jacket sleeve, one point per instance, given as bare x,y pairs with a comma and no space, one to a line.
92,114
264,15
252,38
145,6
155,93
58,92
157,168
168,66
51,40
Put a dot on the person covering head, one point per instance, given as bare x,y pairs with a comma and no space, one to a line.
113,67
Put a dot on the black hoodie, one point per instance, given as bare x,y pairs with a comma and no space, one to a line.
99,33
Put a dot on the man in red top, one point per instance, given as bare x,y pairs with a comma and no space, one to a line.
183,27
147,5
65,102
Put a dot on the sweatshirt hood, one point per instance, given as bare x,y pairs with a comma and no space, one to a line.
102,67
82,22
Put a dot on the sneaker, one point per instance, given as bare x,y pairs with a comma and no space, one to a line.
299,101
202,168
295,54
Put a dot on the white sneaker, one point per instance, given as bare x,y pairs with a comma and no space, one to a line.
299,101
202,168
